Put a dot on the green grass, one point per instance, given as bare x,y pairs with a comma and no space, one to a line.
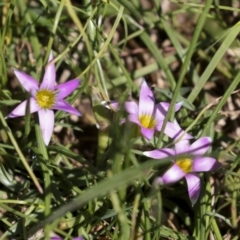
77,187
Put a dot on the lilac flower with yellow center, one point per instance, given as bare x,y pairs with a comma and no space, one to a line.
148,115
186,166
45,98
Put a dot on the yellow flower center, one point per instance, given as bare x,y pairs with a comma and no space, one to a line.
147,121
185,164
45,98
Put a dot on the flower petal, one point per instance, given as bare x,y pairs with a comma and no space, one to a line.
172,175
49,77
20,110
159,124
29,83
146,100
173,130
131,108
194,187
111,104
164,106
134,118
67,88
64,106
46,121
205,164
147,133
182,147
159,115
160,153
200,146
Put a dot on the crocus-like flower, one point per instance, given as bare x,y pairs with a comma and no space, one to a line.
45,98
146,114
59,238
187,165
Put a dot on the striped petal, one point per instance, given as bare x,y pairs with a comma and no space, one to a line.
200,146
205,164
163,107
160,153
173,130
194,187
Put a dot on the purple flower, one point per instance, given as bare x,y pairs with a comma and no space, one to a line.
186,166
45,98
59,238
147,115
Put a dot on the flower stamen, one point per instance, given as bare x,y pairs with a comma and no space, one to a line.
147,121
185,164
45,98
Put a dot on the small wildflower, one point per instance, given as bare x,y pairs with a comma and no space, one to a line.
186,166
45,98
148,115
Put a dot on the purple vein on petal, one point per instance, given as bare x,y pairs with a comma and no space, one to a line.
160,153
205,164
193,183
200,146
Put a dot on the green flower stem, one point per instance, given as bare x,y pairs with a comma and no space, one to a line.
121,212
46,176
216,230
134,215
146,220
20,154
